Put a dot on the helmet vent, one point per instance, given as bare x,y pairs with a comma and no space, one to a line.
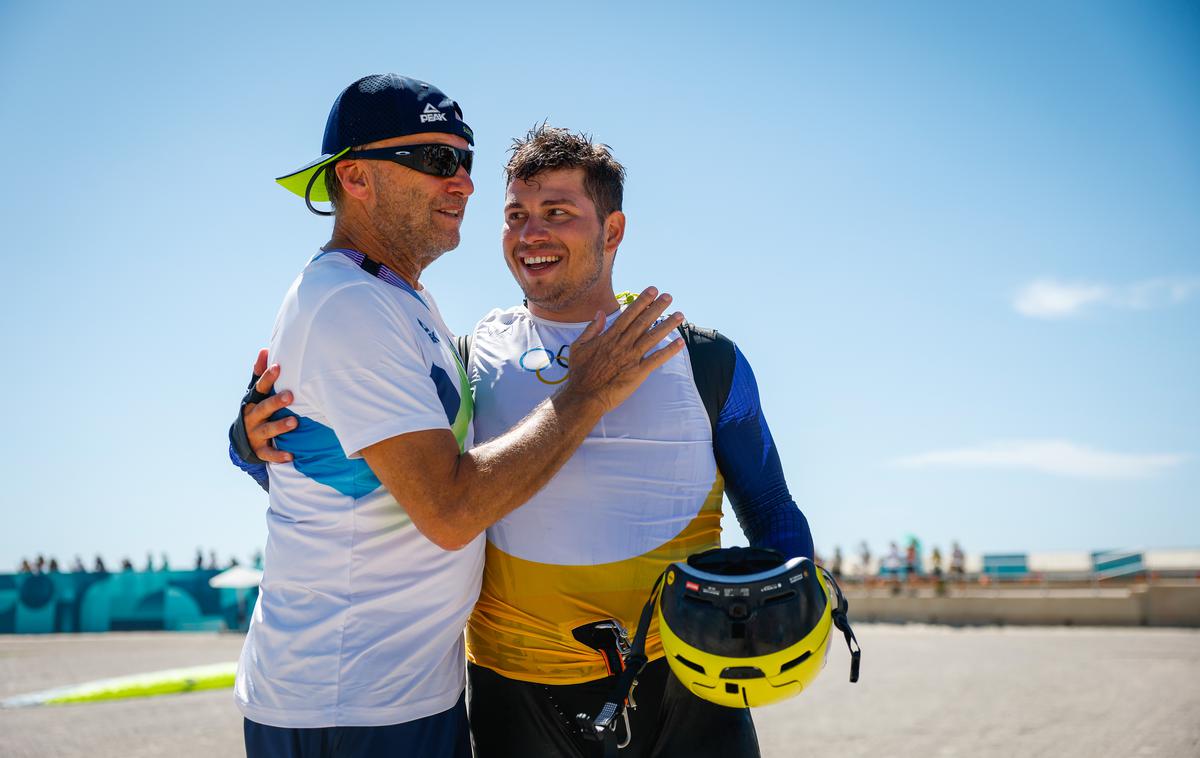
795,661
778,597
742,672
693,666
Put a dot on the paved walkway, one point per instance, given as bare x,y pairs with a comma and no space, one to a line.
925,691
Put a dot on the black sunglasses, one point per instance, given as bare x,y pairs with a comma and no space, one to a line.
433,159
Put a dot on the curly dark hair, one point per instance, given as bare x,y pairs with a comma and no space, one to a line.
547,148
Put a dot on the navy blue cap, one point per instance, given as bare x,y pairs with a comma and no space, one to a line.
374,108
382,106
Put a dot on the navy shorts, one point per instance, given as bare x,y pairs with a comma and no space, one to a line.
442,735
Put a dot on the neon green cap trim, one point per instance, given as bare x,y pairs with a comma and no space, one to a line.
297,182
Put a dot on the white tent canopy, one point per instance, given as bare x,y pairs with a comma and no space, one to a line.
237,578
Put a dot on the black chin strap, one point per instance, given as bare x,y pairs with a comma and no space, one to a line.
842,622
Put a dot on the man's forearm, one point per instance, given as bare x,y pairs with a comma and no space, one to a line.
507,471
452,498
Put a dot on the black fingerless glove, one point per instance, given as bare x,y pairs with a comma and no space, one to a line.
238,439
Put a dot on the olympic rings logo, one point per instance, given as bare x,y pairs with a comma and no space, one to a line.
539,360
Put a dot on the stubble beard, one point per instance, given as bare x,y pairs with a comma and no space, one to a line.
405,221
559,296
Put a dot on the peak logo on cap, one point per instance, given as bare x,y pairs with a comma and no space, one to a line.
432,114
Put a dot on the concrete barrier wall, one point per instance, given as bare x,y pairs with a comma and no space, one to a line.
1156,605
1169,605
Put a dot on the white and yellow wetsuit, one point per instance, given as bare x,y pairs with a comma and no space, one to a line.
642,491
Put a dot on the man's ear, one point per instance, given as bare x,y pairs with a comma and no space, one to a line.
354,178
614,231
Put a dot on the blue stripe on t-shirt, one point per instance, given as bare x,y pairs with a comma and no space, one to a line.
447,392
318,454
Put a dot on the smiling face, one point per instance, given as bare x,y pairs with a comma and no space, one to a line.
557,248
411,211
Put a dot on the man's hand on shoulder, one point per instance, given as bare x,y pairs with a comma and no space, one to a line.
607,366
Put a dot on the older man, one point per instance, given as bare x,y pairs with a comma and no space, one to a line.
375,525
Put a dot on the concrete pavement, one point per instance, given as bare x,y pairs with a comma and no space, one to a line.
925,691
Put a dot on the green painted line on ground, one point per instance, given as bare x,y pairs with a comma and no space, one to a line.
169,682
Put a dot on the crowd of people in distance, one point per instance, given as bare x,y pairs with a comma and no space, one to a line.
42,565
898,566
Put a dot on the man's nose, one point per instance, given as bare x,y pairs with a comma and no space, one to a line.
460,183
533,231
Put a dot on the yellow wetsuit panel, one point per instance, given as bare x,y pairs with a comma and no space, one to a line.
521,626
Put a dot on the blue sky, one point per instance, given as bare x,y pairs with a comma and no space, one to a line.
958,243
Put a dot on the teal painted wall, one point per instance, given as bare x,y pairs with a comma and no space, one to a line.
125,601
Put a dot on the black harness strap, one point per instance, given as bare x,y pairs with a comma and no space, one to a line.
712,356
603,726
463,343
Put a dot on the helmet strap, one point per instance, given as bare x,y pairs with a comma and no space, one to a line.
842,622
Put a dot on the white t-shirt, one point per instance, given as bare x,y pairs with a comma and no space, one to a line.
359,618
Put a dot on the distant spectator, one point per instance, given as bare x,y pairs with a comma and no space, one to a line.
258,560
836,568
149,561
99,567
212,560
935,563
77,567
910,559
864,556
53,566
126,564
199,559
891,566
26,567
39,566
957,563
232,562
165,565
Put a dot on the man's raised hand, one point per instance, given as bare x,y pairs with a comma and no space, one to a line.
607,366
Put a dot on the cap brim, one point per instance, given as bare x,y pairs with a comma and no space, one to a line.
297,182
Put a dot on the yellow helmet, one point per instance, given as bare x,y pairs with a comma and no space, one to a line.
744,627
